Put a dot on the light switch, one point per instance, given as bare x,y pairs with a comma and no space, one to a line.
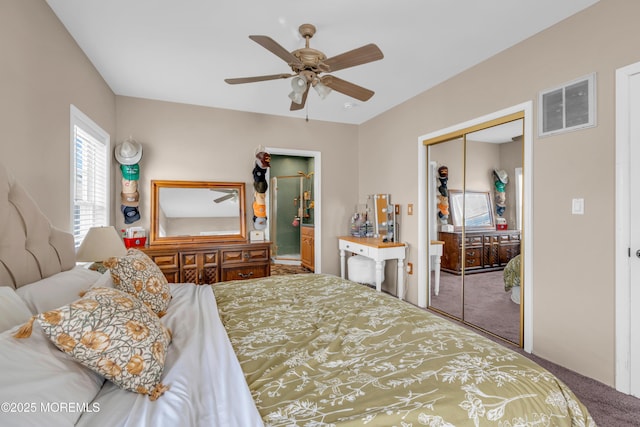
410,209
577,206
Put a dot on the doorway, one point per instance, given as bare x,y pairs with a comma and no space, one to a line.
289,211
627,230
295,205
490,255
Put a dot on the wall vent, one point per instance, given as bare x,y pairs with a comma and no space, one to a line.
570,106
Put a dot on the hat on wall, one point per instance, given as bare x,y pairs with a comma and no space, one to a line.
130,199
501,175
129,186
259,223
259,210
260,186
129,152
130,172
131,214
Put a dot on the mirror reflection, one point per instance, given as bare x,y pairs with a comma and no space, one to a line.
474,214
474,207
197,211
446,161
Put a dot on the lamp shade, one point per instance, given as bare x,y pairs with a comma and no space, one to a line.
99,244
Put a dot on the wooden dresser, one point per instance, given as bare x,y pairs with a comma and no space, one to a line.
206,263
483,250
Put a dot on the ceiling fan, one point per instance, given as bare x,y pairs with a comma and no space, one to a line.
307,64
229,194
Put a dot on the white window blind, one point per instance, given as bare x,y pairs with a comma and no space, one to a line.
90,175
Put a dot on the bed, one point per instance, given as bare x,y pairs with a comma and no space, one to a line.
511,275
299,350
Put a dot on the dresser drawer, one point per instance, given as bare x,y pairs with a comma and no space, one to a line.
473,257
165,260
243,273
473,241
244,255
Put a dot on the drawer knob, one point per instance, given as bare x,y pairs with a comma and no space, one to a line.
246,276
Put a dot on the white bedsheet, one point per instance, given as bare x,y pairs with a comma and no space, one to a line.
207,384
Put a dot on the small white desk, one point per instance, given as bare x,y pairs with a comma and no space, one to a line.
435,251
378,251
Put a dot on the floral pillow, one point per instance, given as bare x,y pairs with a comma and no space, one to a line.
138,275
112,333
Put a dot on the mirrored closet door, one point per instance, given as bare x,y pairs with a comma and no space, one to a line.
475,201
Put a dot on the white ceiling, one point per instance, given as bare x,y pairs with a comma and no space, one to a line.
181,51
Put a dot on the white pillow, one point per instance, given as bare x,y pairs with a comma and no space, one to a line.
13,310
105,281
58,290
37,378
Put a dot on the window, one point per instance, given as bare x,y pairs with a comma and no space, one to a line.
90,166
568,107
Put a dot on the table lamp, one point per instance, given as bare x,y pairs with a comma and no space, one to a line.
99,244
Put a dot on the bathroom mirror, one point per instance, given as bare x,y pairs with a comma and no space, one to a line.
474,207
197,211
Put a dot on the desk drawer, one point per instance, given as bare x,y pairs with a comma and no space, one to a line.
354,247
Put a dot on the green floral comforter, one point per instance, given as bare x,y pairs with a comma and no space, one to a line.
512,273
317,350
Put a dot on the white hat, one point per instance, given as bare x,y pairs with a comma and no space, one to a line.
129,152
259,223
501,175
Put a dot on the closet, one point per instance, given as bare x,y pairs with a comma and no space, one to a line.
475,207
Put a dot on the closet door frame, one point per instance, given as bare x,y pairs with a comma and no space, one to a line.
527,241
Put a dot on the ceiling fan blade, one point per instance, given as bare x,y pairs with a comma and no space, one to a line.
347,88
295,107
359,56
272,46
223,198
257,78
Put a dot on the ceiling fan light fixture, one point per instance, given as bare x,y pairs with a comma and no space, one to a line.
296,97
299,84
322,89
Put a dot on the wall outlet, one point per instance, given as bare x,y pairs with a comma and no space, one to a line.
409,268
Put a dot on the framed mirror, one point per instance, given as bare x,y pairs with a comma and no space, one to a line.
197,211
384,215
472,207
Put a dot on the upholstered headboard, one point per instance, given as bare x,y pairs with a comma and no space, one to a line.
30,247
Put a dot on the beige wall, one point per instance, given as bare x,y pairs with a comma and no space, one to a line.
186,142
42,72
573,307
